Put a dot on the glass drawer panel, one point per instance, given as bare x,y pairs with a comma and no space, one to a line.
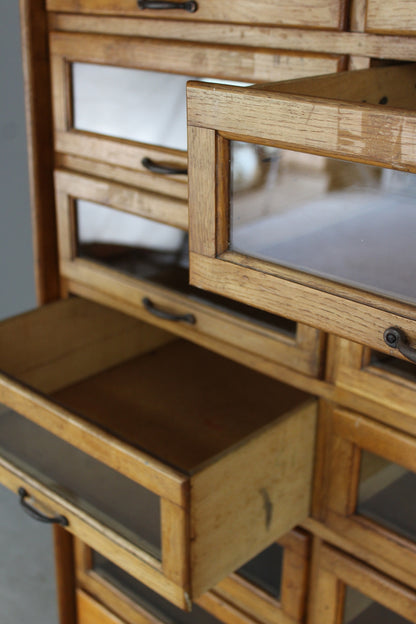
325,216
360,609
116,501
386,495
265,570
134,104
146,598
156,252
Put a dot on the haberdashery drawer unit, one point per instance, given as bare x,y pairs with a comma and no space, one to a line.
317,14
148,447
327,238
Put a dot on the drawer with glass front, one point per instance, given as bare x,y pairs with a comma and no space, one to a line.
176,461
329,14
319,224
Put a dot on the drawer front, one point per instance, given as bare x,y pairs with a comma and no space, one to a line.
135,262
306,233
368,486
397,16
103,416
347,591
90,611
380,384
122,100
263,588
313,14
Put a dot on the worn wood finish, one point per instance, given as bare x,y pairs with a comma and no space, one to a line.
342,43
40,146
312,13
397,16
152,206
246,509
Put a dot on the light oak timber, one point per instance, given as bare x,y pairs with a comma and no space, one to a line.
310,13
192,59
166,185
358,15
324,42
302,302
326,594
64,574
397,16
254,527
121,153
91,612
175,542
36,71
267,120
153,206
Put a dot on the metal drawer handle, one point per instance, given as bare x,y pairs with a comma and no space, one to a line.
167,316
154,167
395,338
191,6
37,515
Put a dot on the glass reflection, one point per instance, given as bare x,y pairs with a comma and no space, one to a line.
265,570
360,609
345,221
386,495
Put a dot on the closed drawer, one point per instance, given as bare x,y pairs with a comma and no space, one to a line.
101,398
314,241
121,101
367,491
379,384
142,267
348,591
397,16
313,14
264,588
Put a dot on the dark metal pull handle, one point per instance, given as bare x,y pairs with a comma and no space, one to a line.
37,515
154,167
395,338
167,316
191,6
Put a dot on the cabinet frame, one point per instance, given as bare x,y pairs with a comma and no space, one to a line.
347,435
292,115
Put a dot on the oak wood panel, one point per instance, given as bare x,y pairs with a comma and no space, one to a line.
310,13
90,611
64,574
342,43
163,209
396,16
250,502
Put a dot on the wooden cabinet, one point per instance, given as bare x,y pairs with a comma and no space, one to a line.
296,199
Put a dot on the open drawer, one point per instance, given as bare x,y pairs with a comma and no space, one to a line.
328,238
178,463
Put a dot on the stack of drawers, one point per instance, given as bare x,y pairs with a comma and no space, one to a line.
176,429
